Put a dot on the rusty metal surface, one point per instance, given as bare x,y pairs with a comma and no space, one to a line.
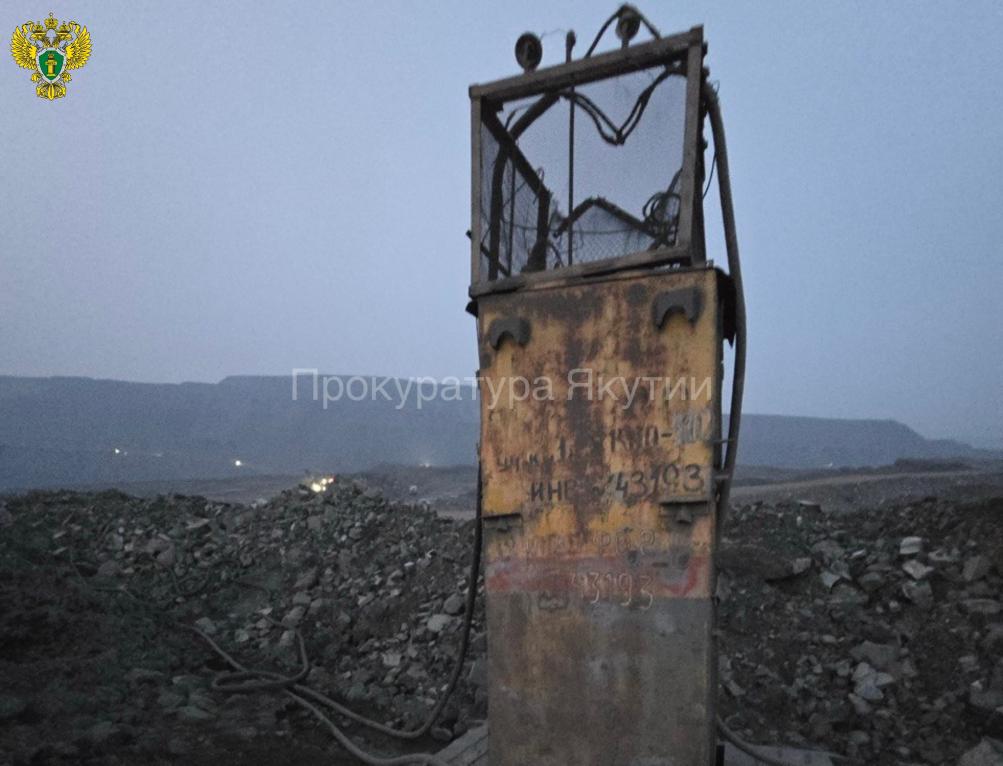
599,520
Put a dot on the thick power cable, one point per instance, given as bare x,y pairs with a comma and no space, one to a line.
244,679
735,272
713,106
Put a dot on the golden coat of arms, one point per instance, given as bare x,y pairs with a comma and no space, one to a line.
50,49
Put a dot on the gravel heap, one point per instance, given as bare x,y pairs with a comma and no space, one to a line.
92,587
876,634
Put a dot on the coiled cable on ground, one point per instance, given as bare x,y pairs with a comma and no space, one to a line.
243,679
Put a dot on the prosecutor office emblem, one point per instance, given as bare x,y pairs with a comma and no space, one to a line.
51,50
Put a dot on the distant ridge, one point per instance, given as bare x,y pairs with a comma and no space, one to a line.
63,431
792,441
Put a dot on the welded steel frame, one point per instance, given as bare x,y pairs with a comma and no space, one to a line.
687,50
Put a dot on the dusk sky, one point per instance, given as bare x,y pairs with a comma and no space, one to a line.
247,188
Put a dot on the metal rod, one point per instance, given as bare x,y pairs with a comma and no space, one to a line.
598,67
569,44
511,218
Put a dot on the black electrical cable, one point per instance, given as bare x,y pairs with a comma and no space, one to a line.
757,754
245,679
710,177
602,31
738,378
296,692
616,15
735,272
609,131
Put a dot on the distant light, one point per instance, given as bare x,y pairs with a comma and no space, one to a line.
238,463
118,451
321,484
426,464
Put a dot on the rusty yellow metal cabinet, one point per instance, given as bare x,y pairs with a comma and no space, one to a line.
601,326
600,423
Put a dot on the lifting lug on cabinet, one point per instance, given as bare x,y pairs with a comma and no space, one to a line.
687,301
515,328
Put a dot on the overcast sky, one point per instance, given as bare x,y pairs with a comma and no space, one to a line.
237,188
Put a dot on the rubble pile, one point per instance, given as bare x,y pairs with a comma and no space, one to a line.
875,634
94,587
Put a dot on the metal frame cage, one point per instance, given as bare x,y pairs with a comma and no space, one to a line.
589,167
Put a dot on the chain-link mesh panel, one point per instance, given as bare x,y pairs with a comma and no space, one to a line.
584,174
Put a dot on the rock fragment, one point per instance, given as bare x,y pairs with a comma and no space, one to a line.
917,570
976,568
454,605
438,622
989,752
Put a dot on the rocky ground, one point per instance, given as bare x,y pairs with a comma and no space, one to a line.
94,587
877,634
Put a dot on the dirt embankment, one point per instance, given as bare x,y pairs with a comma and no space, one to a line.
875,632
